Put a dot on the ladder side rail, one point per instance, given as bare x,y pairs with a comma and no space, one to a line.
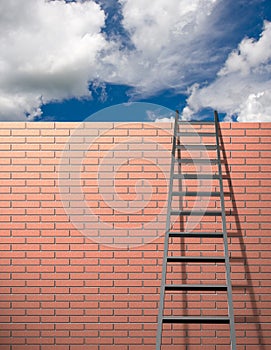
225,239
164,267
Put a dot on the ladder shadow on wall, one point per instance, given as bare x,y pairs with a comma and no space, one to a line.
238,233
182,249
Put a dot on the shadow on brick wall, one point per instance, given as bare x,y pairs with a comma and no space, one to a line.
248,286
182,247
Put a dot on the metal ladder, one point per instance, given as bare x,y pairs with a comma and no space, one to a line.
229,319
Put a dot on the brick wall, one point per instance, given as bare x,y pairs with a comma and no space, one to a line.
82,212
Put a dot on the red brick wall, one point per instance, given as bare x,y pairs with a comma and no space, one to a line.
82,238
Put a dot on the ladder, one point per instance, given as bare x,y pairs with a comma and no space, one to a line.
229,319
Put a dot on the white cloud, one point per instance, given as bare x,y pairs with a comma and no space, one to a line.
257,107
52,50
154,24
160,115
164,120
48,52
242,86
171,42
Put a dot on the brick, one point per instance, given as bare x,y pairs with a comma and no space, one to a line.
236,134
40,125
246,125
265,125
143,132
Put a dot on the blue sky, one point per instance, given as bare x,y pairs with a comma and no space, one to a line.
68,61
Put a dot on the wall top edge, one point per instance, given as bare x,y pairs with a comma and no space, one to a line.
72,125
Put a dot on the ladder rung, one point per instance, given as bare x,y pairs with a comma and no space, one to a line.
196,122
196,161
196,147
196,212
195,287
196,176
196,194
195,259
195,319
195,134
196,234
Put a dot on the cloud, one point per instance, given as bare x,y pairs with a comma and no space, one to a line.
242,86
48,52
54,50
160,115
171,44
57,50
164,120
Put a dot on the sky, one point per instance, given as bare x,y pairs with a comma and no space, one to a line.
135,60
